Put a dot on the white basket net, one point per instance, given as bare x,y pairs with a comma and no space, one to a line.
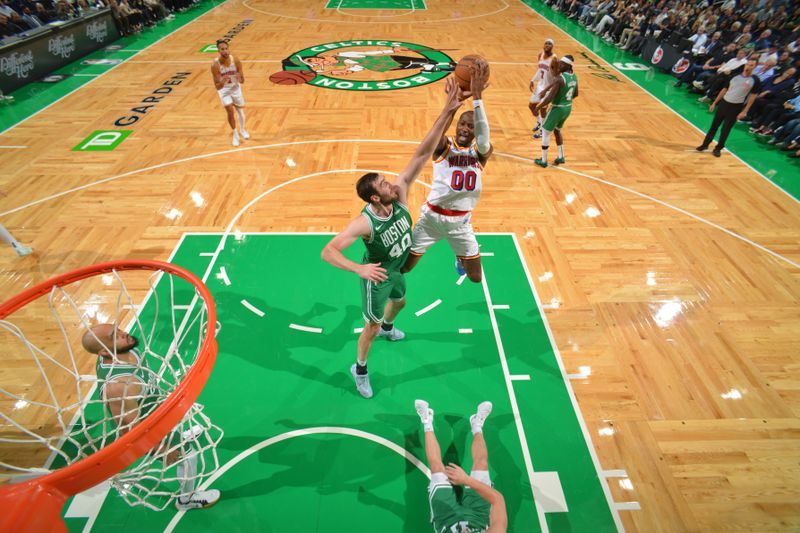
52,409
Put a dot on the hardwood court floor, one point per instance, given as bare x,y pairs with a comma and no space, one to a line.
675,274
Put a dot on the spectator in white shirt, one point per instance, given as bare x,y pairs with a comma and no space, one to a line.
765,70
736,62
5,10
769,53
664,15
698,40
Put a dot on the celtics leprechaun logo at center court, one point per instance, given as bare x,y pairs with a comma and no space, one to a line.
365,65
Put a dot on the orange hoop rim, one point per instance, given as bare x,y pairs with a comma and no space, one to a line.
19,501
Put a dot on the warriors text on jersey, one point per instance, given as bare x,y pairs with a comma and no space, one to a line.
456,178
390,240
229,73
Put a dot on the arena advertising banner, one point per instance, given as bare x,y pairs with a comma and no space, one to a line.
665,56
31,59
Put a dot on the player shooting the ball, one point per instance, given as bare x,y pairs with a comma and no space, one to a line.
458,164
384,226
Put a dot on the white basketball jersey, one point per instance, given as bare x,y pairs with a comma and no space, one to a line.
229,73
545,73
456,178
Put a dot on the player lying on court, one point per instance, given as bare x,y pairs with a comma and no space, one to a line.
482,508
559,94
385,228
129,392
458,163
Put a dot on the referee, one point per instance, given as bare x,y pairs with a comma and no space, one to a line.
732,106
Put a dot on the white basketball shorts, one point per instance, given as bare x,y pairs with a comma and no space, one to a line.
231,95
456,230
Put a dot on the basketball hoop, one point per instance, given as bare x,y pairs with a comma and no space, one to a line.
182,356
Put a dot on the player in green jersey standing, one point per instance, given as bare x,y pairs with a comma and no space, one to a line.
560,94
385,227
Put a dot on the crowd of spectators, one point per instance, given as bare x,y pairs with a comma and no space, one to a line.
718,39
19,16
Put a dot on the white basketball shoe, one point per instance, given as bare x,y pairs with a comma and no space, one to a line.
199,499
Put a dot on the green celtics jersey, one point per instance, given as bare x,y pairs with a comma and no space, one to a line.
107,370
390,240
564,95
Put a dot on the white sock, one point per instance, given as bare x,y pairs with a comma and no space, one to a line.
428,426
544,153
240,114
7,237
561,151
538,120
477,427
359,362
187,475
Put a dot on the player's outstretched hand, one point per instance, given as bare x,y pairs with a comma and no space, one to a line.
373,272
462,94
455,98
456,474
479,78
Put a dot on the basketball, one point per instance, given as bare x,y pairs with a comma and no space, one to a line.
463,73
292,77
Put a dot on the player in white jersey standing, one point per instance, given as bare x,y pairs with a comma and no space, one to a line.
458,163
228,79
542,79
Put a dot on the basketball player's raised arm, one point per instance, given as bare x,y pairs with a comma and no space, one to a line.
239,69
480,76
332,253
218,83
431,140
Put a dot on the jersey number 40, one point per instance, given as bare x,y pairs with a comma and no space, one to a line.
398,249
461,180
